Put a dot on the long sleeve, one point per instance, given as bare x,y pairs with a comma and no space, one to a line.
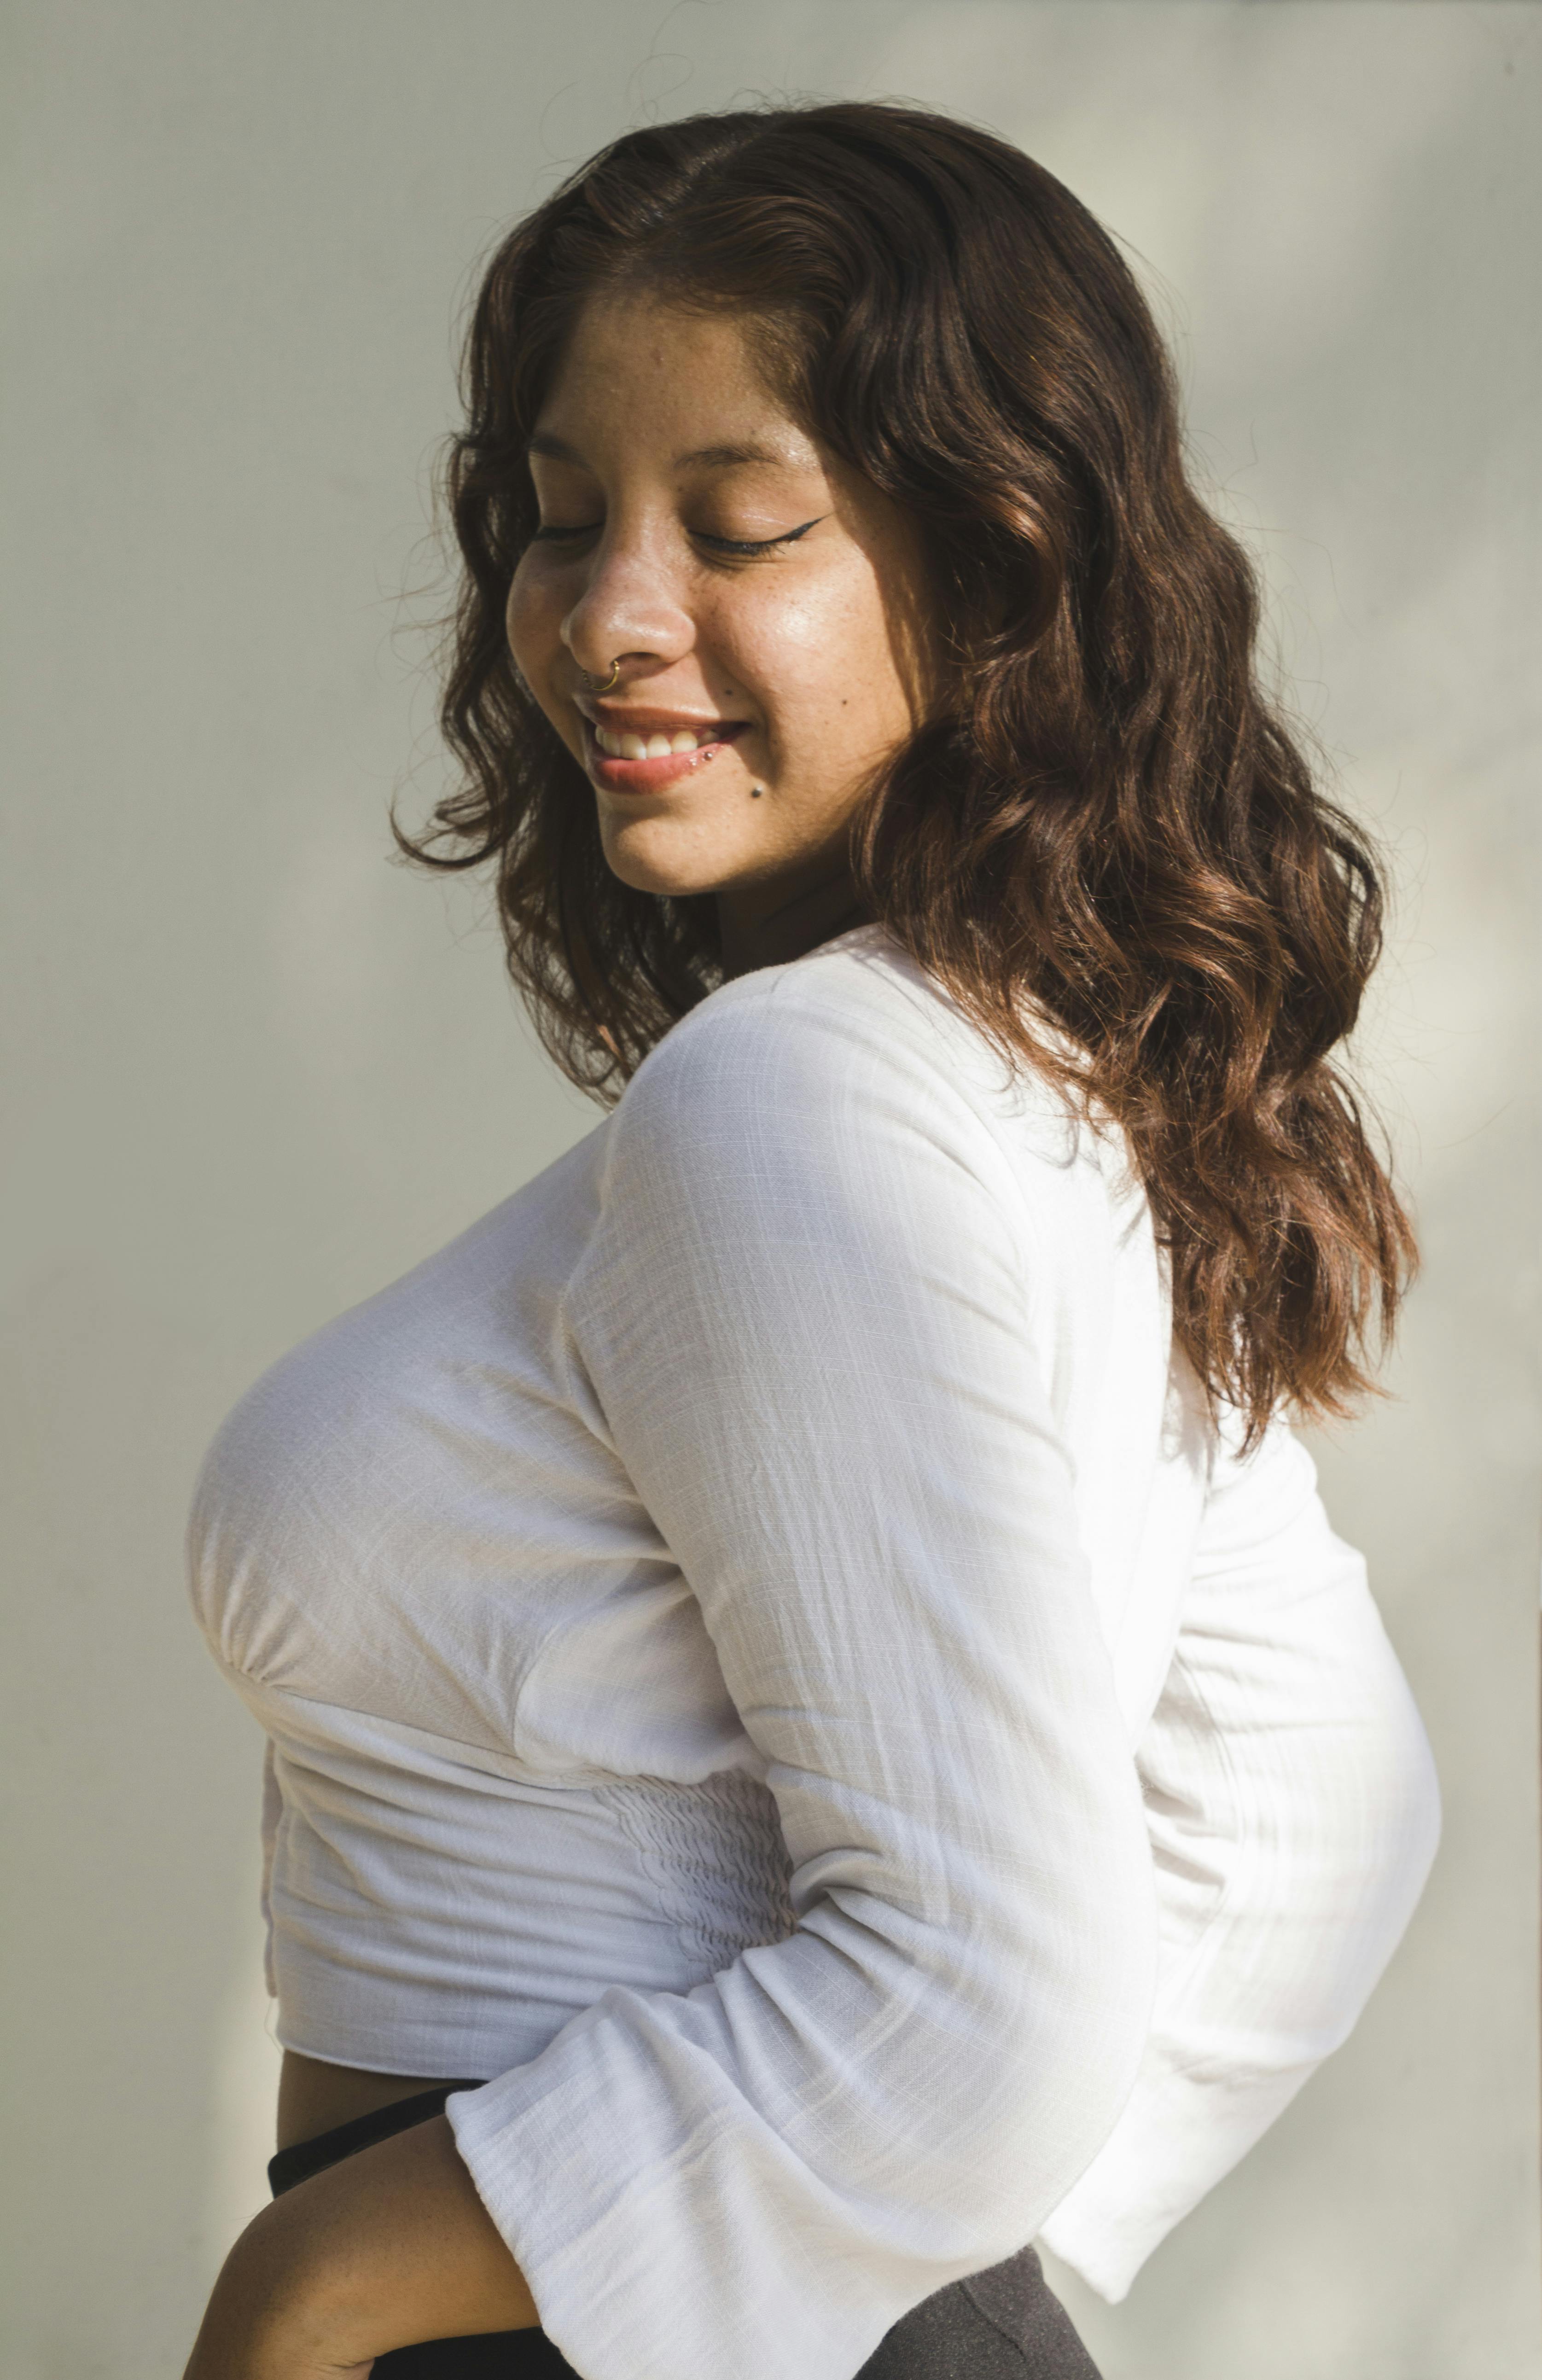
1293,1812
806,1320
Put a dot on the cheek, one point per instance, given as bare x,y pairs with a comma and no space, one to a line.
533,619
821,656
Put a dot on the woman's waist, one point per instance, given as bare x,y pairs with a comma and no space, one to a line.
409,1999
314,2097
455,1877
422,1942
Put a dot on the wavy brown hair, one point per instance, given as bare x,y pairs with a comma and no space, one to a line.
1103,827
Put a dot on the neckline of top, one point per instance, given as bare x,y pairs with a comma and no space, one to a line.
851,934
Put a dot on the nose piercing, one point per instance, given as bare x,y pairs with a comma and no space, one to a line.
594,682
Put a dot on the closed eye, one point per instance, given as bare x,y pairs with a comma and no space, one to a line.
757,544
553,532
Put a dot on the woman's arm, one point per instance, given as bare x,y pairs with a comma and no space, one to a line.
388,2248
1294,1813
806,1322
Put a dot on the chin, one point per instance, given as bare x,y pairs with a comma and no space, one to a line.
654,862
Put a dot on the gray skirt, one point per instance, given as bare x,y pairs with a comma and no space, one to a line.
1005,2323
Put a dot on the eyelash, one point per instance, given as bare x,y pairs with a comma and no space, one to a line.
731,545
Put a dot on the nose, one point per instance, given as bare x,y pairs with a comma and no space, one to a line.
629,610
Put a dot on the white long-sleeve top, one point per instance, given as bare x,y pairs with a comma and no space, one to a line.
766,1660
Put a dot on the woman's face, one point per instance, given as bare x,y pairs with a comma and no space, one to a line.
766,604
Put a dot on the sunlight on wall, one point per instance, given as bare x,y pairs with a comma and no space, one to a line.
245,2090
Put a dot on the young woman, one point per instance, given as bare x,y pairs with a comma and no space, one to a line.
818,1730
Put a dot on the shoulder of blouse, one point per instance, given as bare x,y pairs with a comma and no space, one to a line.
843,1100
857,1020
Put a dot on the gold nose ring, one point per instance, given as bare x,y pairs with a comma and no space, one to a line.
594,682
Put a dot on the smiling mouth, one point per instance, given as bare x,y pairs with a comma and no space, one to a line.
658,746
626,761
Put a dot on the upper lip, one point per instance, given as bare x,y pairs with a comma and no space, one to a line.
639,719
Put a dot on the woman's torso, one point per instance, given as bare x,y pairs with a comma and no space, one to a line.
504,1770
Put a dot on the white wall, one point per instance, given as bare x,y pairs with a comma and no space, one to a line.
255,1071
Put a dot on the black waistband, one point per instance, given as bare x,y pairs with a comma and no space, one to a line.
305,2157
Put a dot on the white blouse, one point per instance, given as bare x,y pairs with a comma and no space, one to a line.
766,1661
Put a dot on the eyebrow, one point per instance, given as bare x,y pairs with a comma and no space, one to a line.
712,458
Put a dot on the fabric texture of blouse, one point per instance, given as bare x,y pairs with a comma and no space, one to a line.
764,1655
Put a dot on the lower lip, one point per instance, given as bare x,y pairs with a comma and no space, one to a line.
648,776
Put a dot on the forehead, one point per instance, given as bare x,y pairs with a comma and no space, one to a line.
639,372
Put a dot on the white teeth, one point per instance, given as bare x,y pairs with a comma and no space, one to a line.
653,748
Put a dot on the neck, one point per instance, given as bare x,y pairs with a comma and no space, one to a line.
767,925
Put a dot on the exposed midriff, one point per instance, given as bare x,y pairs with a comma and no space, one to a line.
314,2097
